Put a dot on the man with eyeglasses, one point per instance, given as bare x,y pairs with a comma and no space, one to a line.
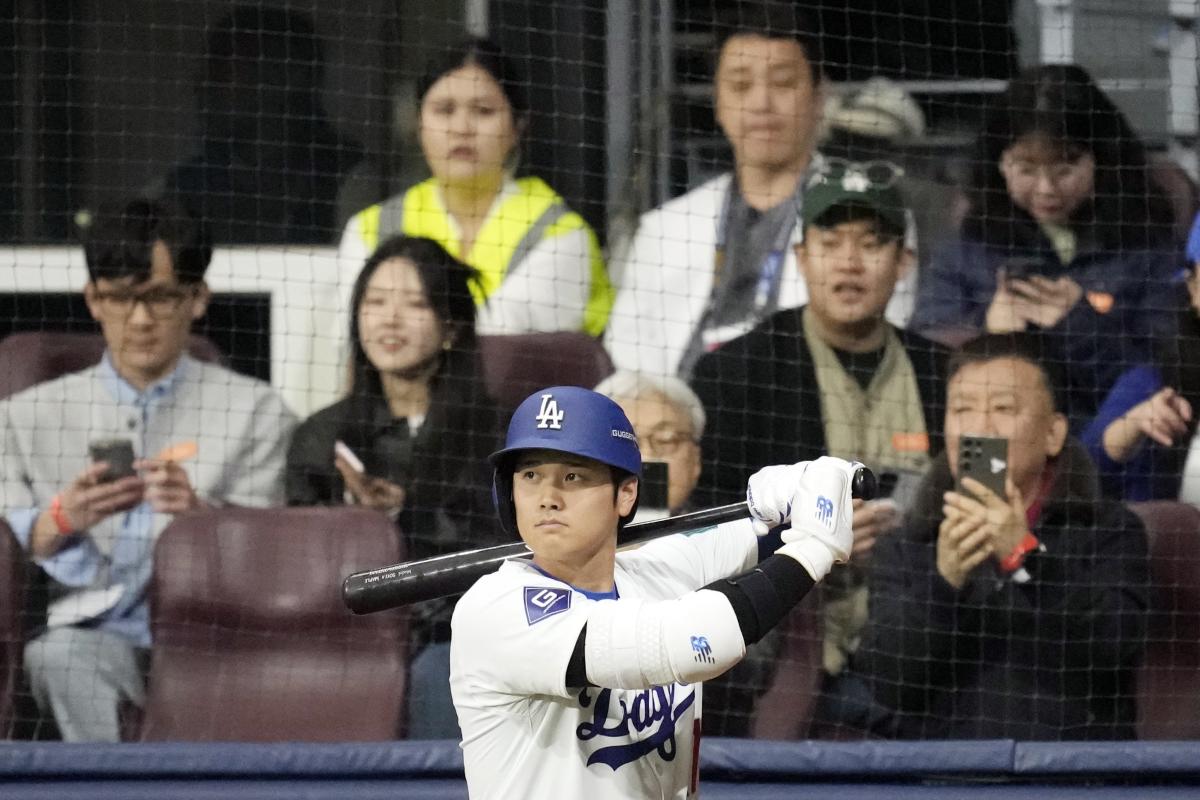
832,378
668,419
201,435
708,266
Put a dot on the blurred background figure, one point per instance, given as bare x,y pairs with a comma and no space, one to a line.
669,420
540,265
879,121
272,167
417,429
1067,234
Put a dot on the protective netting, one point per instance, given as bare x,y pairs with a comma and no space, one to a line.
303,255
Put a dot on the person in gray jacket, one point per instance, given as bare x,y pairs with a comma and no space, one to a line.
201,436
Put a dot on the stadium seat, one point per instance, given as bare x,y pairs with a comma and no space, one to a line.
251,641
1169,680
516,365
30,358
12,632
785,710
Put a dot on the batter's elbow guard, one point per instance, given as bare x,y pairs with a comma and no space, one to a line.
634,644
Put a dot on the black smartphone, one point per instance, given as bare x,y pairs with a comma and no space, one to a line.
984,458
652,489
119,455
1021,269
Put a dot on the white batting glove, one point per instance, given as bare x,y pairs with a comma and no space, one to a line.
769,495
822,514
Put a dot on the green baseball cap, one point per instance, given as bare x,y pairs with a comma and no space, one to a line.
869,184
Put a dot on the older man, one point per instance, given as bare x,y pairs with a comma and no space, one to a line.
1011,615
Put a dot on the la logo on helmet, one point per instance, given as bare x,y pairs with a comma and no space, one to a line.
548,415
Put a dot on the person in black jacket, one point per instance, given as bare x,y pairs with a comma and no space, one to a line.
1017,617
833,378
411,438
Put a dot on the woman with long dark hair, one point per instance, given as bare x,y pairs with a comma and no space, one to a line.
411,437
1067,234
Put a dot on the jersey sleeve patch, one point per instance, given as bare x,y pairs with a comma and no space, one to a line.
541,602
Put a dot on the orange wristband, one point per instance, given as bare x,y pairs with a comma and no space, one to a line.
65,528
1013,561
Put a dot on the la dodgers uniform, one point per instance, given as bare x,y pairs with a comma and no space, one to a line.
526,734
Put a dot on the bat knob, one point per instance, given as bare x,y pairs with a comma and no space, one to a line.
864,485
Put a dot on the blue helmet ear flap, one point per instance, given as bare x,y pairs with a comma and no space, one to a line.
502,498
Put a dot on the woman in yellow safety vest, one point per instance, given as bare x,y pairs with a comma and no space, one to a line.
539,263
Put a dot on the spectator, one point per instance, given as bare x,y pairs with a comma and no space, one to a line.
1066,234
418,420
272,168
1016,617
203,436
876,122
540,266
1144,435
668,419
710,265
831,378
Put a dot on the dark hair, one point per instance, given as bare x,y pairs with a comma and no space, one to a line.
1062,103
119,241
485,54
447,284
1032,348
772,19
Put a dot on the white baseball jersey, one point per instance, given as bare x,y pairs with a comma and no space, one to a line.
525,732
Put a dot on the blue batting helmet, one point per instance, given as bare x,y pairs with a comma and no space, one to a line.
571,420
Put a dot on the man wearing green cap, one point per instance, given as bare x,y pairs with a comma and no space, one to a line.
831,378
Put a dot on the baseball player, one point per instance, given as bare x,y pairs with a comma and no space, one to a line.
576,673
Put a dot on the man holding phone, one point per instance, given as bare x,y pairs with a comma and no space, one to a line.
1013,612
86,509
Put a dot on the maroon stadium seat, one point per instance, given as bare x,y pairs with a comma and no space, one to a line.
785,710
517,365
30,358
12,634
1169,680
251,641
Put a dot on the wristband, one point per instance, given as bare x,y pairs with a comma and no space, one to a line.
1013,561
65,528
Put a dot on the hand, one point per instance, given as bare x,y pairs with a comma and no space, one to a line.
872,519
984,521
1006,313
821,511
1044,301
168,489
88,501
1164,417
769,495
370,491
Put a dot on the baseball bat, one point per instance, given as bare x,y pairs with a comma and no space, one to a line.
429,578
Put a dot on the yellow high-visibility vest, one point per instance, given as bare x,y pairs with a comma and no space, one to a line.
522,220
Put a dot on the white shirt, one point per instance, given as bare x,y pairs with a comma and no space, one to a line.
525,732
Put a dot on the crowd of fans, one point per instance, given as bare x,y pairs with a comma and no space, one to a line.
807,302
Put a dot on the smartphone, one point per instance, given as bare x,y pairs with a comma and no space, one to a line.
887,485
652,488
984,458
341,449
119,455
1023,268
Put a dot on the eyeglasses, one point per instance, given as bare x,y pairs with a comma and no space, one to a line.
858,175
664,441
160,301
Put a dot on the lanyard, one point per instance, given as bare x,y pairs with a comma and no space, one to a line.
770,272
